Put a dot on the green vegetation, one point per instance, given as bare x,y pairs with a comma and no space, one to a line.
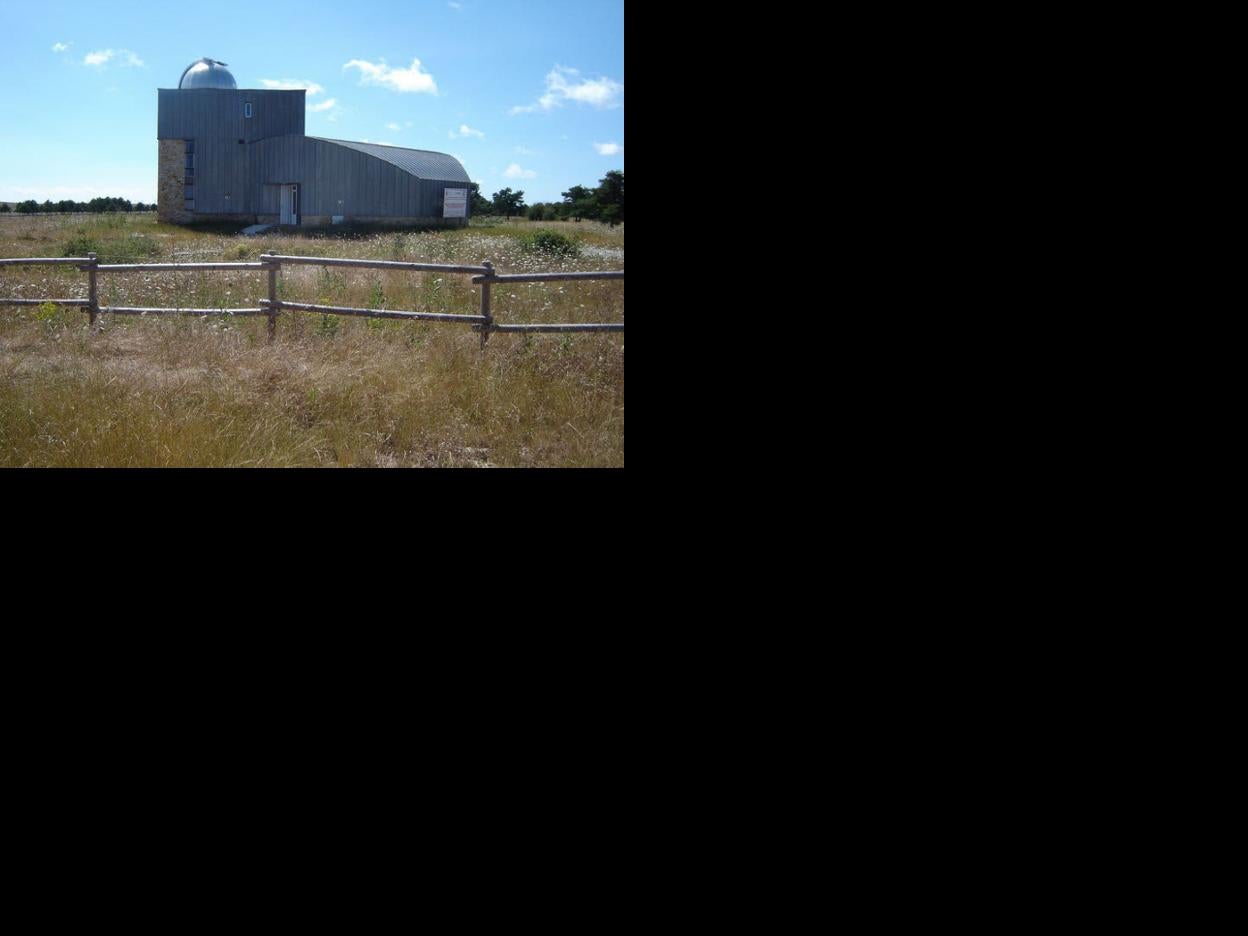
604,203
508,203
546,241
68,206
79,246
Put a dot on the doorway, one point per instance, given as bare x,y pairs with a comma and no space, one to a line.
290,205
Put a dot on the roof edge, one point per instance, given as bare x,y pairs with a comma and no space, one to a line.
410,149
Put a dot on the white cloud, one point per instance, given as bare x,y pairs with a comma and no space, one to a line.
466,131
410,80
61,47
608,149
123,56
291,84
393,126
323,106
525,151
515,172
454,6
564,84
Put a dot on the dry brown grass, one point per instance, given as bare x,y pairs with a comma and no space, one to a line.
330,391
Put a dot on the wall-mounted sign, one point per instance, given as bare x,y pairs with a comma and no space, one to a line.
455,203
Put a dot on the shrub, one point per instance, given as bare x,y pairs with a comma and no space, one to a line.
79,246
549,242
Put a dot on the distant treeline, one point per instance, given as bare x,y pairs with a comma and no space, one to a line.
604,203
98,205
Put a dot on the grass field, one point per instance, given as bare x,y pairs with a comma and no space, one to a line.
330,391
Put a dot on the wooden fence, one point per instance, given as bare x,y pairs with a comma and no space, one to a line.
482,275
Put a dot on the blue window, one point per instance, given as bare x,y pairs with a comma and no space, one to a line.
247,109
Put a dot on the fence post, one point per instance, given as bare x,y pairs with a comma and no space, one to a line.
93,296
273,268
485,303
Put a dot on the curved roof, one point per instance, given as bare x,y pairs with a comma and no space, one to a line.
206,73
424,164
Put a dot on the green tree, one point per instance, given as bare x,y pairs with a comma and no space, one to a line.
578,202
610,197
508,202
4,207
478,204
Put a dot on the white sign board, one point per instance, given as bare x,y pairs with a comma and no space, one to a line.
455,203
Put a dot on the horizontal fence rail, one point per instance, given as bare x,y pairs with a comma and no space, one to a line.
483,276
135,267
39,302
137,310
35,261
375,313
554,328
549,277
376,264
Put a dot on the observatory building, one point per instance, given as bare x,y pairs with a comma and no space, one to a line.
241,155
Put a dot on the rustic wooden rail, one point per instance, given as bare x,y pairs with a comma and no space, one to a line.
483,276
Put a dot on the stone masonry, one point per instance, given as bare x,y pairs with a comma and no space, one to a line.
171,182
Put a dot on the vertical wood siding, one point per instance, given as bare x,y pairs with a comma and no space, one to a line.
218,112
336,180
333,179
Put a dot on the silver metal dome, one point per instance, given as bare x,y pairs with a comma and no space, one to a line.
207,73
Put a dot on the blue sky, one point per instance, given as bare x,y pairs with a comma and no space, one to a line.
527,95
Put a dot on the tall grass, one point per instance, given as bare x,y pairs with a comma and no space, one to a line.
330,391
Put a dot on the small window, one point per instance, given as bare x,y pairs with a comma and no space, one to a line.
247,109
190,146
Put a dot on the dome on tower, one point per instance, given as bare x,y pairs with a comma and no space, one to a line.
206,73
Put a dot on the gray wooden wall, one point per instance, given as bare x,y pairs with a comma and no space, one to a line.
333,179
337,180
217,113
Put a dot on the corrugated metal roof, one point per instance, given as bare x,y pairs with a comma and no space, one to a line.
423,164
